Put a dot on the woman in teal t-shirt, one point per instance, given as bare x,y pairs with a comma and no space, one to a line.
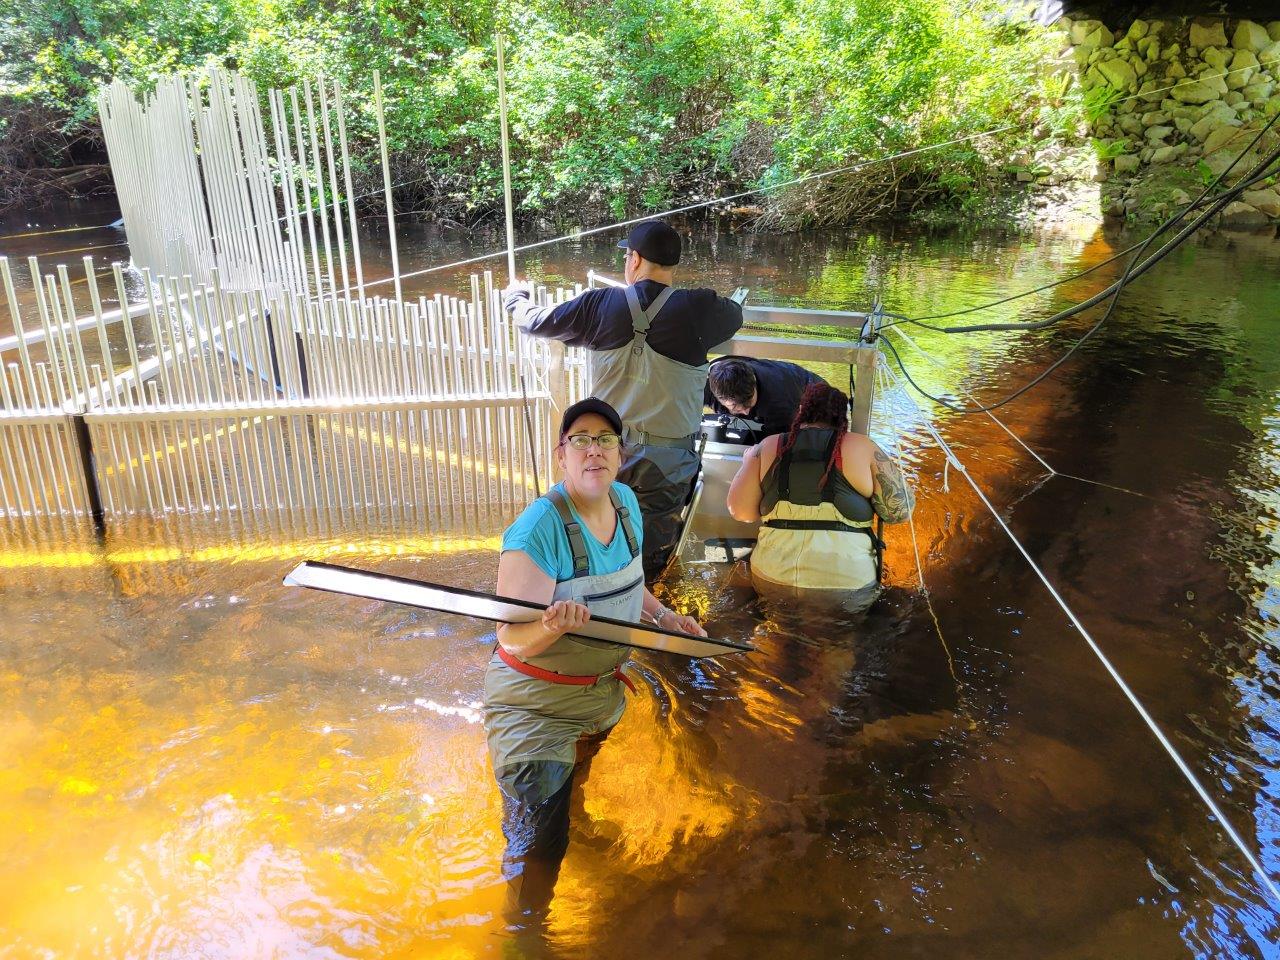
551,697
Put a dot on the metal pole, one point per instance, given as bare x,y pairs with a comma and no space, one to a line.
346,179
89,466
506,163
528,425
386,178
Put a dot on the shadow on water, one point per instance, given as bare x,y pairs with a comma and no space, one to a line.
198,762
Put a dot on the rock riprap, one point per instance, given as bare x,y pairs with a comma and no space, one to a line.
1180,99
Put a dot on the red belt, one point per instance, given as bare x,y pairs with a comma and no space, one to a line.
529,670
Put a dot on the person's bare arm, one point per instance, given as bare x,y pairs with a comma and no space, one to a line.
891,498
744,491
669,619
522,579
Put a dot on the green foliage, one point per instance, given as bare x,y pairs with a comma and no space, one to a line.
1110,149
1099,101
617,106
860,81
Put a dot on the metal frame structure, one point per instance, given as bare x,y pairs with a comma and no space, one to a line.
860,355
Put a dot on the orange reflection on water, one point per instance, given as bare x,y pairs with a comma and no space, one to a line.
196,761
204,825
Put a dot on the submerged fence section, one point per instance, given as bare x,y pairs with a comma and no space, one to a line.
222,402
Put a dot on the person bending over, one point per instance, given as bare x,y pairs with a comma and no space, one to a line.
766,391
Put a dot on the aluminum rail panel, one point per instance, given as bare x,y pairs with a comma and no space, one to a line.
794,348
794,316
486,606
214,410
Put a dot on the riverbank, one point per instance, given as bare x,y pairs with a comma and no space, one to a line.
616,109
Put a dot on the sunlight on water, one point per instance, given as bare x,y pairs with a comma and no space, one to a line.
197,762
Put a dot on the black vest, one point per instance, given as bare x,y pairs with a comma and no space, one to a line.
795,475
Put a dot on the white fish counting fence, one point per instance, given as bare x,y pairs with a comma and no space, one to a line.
204,399
253,372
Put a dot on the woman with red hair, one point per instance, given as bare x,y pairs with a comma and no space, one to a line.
815,491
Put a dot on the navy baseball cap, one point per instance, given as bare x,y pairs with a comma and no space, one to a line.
591,405
655,241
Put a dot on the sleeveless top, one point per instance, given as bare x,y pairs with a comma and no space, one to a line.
814,536
794,476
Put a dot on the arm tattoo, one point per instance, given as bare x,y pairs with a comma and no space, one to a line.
892,500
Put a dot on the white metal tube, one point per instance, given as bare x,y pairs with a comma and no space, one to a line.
284,161
183,394
116,500
162,445
319,180
346,179
143,456
16,315
306,189
64,279
73,481
13,461
58,358
182,499
163,351
30,433
386,180
127,322
103,344
333,182
506,162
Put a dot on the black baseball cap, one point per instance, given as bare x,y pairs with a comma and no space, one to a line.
590,405
654,241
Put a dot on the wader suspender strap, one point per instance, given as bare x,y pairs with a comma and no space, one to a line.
577,544
627,530
878,546
784,474
642,319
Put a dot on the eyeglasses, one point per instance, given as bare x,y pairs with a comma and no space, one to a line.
583,441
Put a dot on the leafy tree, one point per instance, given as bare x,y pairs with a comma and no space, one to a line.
617,106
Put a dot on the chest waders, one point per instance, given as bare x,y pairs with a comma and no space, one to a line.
816,540
811,455
547,715
660,402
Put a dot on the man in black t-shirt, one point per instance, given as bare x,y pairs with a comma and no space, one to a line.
647,346
767,391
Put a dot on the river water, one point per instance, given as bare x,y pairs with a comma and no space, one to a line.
198,762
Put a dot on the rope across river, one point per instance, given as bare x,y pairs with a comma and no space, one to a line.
955,463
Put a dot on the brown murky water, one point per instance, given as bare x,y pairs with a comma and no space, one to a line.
198,762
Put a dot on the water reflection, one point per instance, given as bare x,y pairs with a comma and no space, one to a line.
195,761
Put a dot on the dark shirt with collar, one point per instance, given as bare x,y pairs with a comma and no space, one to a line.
779,387
690,324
